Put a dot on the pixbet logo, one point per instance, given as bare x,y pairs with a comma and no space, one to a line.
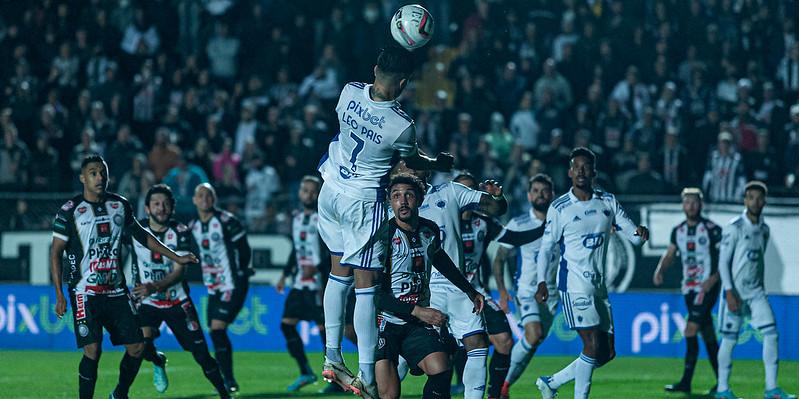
8,317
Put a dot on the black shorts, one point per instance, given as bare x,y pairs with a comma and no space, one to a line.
700,306
92,313
304,304
413,341
496,321
349,314
225,306
182,319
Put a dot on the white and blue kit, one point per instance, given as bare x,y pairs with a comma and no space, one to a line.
356,171
526,276
582,229
741,266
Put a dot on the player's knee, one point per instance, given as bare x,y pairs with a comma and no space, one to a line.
691,329
92,351
288,321
533,337
135,350
477,341
502,343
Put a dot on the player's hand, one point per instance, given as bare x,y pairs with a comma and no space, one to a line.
479,302
60,305
144,290
187,259
444,162
492,187
430,316
657,278
503,301
733,302
281,285
708,285
542,294
642,232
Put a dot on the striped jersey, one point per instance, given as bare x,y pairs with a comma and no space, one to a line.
309,251
218,257
149,267
582,229
724,177
698,247
741,258
371,133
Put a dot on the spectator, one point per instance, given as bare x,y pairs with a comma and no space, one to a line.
631,94
135,183
724,176
499,141
141,37
524,127
121,152
788,74
248,128
647,132
87,146
226,161
555,84
183,178
672,161
743,127
14,160
164,155
104,128
223,52
645,180
44,171
555,155
762,163
262,183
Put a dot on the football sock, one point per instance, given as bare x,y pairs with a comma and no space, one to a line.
563,376
582,376
474,373
402,368
725,361
210,368
691,354
497,371
365,320
520,357
87,377
295,347
459,361
437,386
712,347
224,353
128,368
770,358
150,354
335,304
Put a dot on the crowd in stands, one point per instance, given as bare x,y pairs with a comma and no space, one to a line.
242,93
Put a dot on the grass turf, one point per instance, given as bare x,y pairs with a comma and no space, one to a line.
40,375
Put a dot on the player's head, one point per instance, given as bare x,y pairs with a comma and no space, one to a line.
309,191
692,202
755,197
394,68
540,191
94,174
467,179
582,167
159,203
204,197
406,193
402,168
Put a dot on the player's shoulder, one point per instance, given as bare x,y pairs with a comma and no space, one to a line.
144,222
355,85
561,203
439,188
178,226
401,113
68,207
711,225
680,226
226,217
604,195
735,224
109,196
521,219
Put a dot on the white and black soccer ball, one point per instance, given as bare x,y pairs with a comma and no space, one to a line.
412,26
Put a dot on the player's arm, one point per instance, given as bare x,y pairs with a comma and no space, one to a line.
152,243
729,240
553,230
492,202
498,266
715,243
238,237
409,152
288,270
636,235
519,238
242,246
666,260
56,252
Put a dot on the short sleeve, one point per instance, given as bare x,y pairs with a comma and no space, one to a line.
130,219
513,225
62,223
233,227
406,142
467,199
673,238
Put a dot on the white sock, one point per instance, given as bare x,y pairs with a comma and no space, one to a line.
402,368
520,357
474,374
563,376
582,376
335,304
725,362
770,359
365,320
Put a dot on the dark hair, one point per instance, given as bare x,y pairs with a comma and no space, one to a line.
583,152
91,158
312,179
756,185
160,189
411,180
396,62
540,178
465,174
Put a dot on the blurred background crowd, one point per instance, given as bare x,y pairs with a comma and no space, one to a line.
242,93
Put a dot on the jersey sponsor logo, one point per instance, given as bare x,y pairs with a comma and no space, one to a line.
115,205
594,240
441,204
205,243
582,303
80,306
103,251
68,205
590,212
82,210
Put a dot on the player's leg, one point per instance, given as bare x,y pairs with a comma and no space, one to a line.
499,334
387,379
474,373
729,325
87,370
458,365
150,319
298,307
426,352
537,320
763,319
223,308
119,320
89,337
436,368
365,319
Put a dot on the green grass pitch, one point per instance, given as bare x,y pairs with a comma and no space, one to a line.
40,375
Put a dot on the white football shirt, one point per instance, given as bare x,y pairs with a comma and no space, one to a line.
526,277
743,246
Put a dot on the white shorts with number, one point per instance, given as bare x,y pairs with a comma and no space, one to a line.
585,311
530,311
757,308
456,305
347,225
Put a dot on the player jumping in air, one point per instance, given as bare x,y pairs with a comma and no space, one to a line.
536,319
697,241
413,246
225,255
164,294
741,265
372,129
581,222
89,228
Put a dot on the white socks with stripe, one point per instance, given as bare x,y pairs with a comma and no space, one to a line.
365,320
725,361
474,374
770,358
335,304
563,376
520,357
583,371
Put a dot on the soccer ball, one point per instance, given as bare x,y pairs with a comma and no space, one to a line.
412,26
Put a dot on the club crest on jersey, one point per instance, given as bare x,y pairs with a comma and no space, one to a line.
169,236
118,220
216,236
205,243
702,240
68,205
396,240
115,205
441,204
82,210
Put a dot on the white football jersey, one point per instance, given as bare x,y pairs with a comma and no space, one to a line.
526,276
443,204
743,246
360,156
582,230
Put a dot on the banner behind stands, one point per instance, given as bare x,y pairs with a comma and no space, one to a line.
646,325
